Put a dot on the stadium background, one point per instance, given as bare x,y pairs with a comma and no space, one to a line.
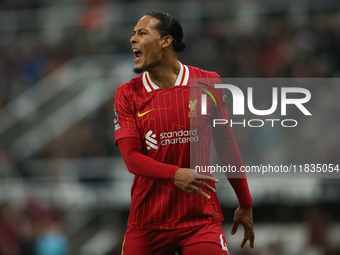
62,180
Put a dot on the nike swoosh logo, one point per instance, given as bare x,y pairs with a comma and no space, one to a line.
141,114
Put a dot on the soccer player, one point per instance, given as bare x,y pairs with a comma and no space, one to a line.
173,208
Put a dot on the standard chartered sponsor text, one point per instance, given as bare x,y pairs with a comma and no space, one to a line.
182,136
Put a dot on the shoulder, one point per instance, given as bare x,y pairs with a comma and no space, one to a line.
200,73
131,84
131,87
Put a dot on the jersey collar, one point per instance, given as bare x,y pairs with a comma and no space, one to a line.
182,79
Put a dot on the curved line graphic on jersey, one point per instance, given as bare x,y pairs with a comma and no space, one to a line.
206,91
223,244
214,90
150,141
142,114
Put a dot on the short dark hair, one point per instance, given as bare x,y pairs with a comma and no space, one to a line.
168,25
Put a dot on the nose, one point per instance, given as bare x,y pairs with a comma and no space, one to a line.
133,39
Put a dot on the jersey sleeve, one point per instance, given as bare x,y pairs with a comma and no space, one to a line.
142,165
124,120
227,150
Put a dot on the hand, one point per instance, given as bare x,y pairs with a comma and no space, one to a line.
245,217
188,180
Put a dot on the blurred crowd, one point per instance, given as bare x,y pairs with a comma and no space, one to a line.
276,46
35,229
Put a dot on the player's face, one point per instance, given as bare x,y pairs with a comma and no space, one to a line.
146,44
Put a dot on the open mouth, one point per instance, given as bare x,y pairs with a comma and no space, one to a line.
138,54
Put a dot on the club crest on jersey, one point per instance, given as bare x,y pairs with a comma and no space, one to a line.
192,107
150,140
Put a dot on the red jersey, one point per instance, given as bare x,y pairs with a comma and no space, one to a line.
162,118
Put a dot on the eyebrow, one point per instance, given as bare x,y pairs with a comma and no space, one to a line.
139,30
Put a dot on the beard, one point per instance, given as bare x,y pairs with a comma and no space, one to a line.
145,67
138,70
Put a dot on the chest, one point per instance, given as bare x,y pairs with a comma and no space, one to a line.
166,110
171,117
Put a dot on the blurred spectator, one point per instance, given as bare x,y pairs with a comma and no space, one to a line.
94,16
27,233
9,231
318,227
46,236
51,241
6,163
33,63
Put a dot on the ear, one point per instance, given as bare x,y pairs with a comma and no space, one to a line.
166,41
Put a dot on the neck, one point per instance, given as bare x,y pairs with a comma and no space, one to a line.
165,74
